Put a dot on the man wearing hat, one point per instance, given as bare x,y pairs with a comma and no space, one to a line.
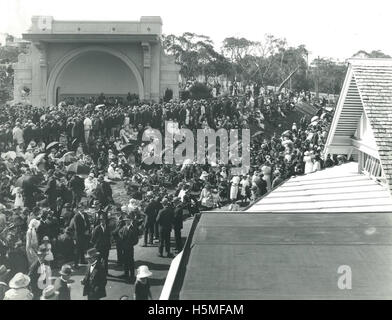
77,186
67,215
165,221
39,273
3,286
62,283
116,234
104,192
95,280
150,213
81,227
129,235
66,246
19,288
101,240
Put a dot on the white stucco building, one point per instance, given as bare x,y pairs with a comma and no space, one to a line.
85,58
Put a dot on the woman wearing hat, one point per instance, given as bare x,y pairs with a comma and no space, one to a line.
32,241
308,162
206,198
19,288
142,285
49,293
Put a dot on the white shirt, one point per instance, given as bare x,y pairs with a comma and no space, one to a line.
88,124
18,135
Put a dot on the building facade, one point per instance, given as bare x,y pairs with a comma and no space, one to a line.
85,58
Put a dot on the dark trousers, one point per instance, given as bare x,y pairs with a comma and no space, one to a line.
156,231
164,240
80,251
177,237
120,252
149,233
105,258
76,198
129,262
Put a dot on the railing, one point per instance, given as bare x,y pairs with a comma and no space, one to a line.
371,167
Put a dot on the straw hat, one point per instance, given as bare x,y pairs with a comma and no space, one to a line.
66,270
92,253
19,280
49,293
143,272
204,174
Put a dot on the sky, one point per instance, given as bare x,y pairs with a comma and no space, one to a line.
333,28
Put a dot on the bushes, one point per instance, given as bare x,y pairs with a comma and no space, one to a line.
168,95
185,95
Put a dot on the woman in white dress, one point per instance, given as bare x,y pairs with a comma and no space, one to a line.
32,241
266,170
235,181
19,203
308,162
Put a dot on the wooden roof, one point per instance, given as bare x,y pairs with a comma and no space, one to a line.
374,82
336,189
367,88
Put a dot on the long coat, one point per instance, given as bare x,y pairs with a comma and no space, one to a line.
101,239
95,282
62,287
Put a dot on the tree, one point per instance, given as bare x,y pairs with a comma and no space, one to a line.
372,54
237,50
329,74
8,55
195,54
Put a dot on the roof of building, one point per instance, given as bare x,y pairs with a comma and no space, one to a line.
367,88
340,188
289,256
374,82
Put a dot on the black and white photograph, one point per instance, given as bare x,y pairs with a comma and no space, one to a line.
195,150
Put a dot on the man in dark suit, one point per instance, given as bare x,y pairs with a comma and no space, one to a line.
61,284
129,235
51,192
177,222
39,273
101,240
66,246
77,186
116,235
104,192
95,280
150,213
165,221
81,226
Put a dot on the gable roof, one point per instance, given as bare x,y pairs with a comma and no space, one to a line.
367,88
374,82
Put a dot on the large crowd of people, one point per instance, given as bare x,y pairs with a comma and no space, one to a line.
60,164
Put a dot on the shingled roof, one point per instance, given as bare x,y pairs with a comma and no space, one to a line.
374,82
